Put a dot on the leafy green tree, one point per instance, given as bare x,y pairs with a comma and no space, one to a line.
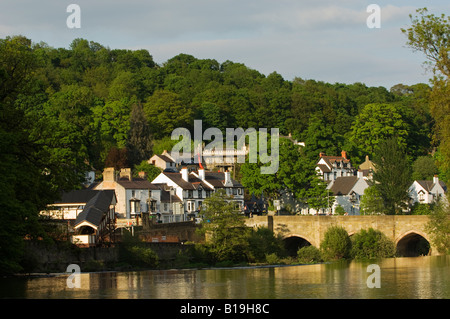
226,229
139,139
336,244
165,112
392,176
429,34
372,202
424,168
318,196
377,122
439,227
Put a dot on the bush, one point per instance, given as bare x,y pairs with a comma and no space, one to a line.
336,244
367,244
309,255
262,241
272,259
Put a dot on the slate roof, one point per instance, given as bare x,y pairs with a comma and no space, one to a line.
136,183
165,158
77,196
193,183
343,185
96,207
217,179
428,185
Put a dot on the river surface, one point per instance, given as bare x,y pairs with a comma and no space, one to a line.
411,278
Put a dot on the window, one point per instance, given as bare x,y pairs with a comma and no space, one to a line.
190,194
421,196
234,191
191,206
240,191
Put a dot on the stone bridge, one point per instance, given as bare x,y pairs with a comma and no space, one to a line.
408,232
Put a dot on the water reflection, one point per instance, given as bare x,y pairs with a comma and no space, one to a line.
421,277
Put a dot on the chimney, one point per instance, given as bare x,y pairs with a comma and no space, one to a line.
321,154
184,174
125,173
142,175
435,179
109,174
227,178
201,173
344,154
360,174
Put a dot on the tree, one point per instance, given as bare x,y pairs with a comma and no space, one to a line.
377,122
139,140
371,201
430,34
424,168
318,196
165,112
392,176
225,227
439,226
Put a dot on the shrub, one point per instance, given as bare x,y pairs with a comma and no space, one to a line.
262,241
371,243
309,255
336,244
272,259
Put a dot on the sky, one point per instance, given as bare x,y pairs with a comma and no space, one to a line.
323,40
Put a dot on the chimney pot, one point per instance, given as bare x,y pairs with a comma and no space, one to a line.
344,154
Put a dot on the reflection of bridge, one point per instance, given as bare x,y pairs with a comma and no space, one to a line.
406,231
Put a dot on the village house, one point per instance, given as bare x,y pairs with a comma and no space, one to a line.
194,187
133,194
163,161
332,167
427,192
367,167
348,191
96,223
70,205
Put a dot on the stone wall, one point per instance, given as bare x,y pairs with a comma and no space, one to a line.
43,258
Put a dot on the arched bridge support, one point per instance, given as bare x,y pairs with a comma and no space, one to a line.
313,228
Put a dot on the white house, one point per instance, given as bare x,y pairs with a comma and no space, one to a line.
427,192
193,188
163,161
133,194
348,191
332,167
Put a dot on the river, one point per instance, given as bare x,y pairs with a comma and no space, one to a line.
411,278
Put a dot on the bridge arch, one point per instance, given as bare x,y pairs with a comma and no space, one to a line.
413,243
293,242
